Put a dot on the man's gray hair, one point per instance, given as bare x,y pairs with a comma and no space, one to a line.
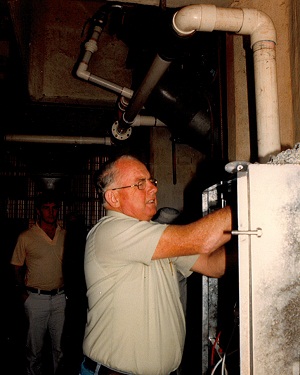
108,173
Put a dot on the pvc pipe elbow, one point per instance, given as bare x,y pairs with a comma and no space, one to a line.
244,21
195,18
258,25
82,72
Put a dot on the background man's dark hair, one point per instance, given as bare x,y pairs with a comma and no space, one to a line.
49,196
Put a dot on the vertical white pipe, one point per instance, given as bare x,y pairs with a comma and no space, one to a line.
268,134
263,40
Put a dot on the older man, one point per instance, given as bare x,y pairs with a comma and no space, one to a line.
135,321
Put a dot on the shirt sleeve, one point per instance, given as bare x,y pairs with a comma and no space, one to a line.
19,253
129,240
185,263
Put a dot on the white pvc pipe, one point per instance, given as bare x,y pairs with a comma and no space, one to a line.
58,139
83,73
263,40
147,121
154,74
26,138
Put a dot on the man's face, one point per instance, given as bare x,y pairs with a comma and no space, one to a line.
134,202
49,213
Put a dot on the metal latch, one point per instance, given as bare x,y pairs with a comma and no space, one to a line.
257,232
237,166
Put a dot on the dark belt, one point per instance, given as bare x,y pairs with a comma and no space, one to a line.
52,292
91,365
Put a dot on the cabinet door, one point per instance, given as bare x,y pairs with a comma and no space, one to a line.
268,201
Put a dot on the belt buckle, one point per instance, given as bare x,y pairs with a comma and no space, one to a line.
54,292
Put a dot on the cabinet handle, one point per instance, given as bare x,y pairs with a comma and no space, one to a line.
257,232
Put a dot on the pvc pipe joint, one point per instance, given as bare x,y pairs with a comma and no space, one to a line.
258,25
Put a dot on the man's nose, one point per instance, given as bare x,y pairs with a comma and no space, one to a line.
152,185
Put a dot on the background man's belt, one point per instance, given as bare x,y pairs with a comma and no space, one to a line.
52,292
91,365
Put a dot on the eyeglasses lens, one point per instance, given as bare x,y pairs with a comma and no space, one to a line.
142,183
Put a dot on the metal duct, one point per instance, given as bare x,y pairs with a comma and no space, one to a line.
185,109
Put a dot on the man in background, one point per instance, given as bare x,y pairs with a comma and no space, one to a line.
37,262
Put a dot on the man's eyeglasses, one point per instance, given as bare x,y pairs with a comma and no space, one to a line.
141,185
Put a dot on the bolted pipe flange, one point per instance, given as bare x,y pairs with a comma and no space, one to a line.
119,133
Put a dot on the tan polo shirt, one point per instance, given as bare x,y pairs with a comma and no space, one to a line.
135,319
43,257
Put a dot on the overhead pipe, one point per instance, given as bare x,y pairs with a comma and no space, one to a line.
57,139
29,138
100,20
170,48
122,128
83,73
141,120
207,18
262,33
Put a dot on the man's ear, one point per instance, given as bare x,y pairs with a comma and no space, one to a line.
112,198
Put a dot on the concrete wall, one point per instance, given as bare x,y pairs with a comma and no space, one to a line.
58,30
175,170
